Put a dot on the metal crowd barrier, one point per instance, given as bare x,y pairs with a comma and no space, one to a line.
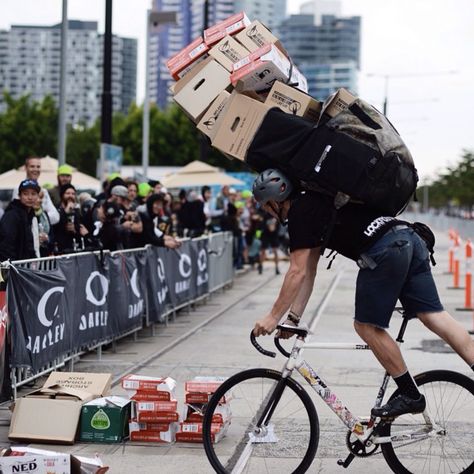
221,275
442,222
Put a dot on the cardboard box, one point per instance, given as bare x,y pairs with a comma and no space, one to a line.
195,414
182,62
53,460
36,464
230,26
337,102
156,417
197,90
160,406
257,35
210,121
97,385
137,434
137,426
191,436
293,101
204,384
228,51
260,69
243,117
144,383
158,395
105,420
51,414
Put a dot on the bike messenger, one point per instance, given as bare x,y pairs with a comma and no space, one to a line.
394,264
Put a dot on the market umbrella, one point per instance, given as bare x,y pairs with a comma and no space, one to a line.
198,173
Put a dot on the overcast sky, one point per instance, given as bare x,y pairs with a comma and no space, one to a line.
420,41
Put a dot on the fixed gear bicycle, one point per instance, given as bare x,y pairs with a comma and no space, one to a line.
275,427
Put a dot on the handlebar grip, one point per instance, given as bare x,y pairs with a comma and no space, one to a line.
280,347
259,348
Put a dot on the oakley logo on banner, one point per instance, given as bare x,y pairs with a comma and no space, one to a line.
104,284
202,277
55,333
185,270
98,318
163,290
135,309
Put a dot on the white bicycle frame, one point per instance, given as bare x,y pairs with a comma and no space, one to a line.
353,423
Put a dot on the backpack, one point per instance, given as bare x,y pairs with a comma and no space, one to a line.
357,156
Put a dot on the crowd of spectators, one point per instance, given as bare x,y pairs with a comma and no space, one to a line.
39,222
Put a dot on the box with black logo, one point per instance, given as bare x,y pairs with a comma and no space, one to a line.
228,51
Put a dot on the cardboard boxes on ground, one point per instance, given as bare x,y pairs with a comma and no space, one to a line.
154,413
197,394
51,414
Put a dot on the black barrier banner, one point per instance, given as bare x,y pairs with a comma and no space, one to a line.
126,302
157,283
199,254
88,297
179,274
41,328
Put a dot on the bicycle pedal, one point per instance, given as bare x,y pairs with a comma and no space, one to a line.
346,462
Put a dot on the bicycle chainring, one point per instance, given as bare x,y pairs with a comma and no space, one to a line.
357,448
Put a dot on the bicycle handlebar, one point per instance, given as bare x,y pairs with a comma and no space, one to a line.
259,348
301,332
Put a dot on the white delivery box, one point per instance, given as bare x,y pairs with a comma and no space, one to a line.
243,117
260,69
228,51
294,101
257,35
195,92
212,118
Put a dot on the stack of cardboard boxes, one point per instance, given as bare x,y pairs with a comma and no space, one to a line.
224,78
154,416
197,394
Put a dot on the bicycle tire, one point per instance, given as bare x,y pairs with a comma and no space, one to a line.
448,394
242,387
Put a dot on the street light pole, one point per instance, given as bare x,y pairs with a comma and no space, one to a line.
106,116
153,21
62,90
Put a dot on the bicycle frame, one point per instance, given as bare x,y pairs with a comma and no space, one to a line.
353,423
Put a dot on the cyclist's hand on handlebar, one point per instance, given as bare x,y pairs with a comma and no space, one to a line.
285,334
265,326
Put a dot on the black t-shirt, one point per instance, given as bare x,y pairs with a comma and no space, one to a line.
357,227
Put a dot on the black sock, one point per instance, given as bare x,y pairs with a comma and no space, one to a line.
407,386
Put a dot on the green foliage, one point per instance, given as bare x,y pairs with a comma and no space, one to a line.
83,148
27,128
456,184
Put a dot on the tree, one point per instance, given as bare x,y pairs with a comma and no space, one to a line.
83,148
27,128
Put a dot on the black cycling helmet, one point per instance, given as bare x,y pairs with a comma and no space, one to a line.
273,185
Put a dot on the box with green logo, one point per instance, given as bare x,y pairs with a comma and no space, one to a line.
105,420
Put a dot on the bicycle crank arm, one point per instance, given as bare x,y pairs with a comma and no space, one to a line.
348,460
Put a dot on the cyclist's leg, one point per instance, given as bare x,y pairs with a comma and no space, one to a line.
451,331
385,349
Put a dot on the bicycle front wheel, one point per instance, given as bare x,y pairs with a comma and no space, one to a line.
286,440
450,403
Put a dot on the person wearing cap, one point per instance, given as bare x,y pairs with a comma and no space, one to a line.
16,237
33,171
144,190
129,219
64,177
69,232
156,225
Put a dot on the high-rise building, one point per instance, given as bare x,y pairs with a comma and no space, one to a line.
30,59
327,53
190,24
319,8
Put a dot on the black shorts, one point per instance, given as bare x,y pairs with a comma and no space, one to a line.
402,273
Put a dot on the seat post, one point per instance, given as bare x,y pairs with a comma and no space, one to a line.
402,329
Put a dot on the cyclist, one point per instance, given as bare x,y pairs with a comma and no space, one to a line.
394,264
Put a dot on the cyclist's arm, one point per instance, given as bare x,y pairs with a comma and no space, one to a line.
292,283
304,294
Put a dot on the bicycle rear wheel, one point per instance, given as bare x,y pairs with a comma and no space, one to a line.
286,442
450,402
